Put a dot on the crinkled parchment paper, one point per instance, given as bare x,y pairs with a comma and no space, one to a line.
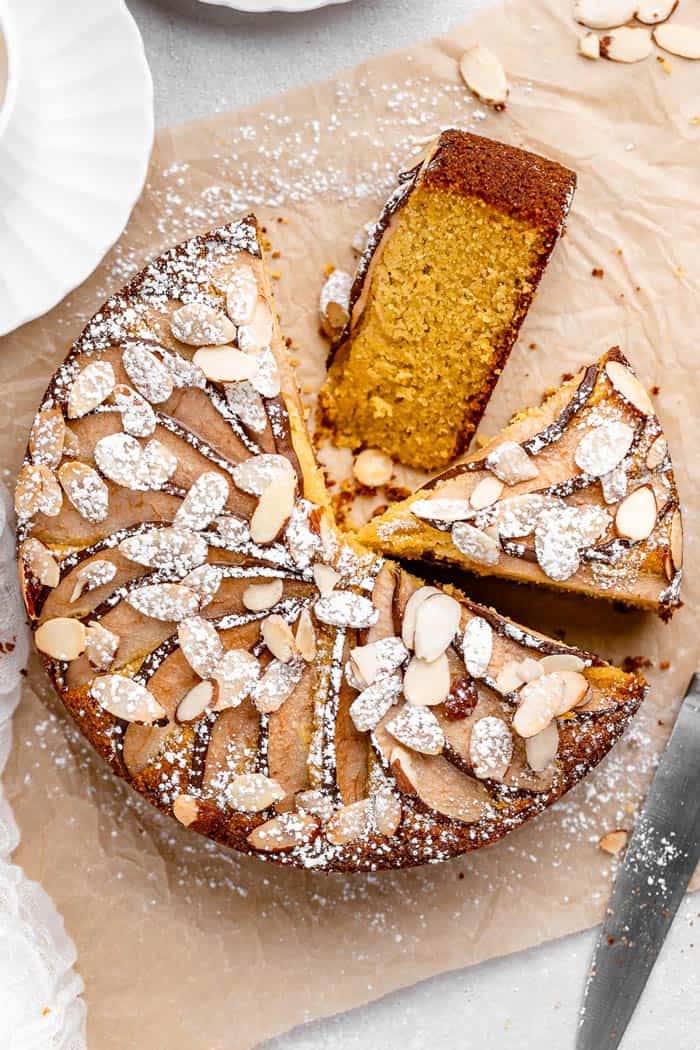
181,944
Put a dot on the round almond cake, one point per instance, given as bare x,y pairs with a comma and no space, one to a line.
228,651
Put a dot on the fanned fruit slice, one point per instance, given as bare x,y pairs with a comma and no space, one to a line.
229,653
577,494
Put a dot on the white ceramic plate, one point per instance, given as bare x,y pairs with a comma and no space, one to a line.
260,6
74,150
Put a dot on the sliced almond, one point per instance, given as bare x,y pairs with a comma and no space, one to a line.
278,637
350,823
576,690
479,546
589,45
626,45
119,457
408,626
205,581
509,678
614,841
257,334
604,14
126,699
437,622
149,375
37,491
334,303
518,516
539,702
170,549
636,515
40,562
204,501
541,749
657,452
604,446
253,792
225,364
530,669
158,465
47,437
490,748
233,532
246,403
254,475
201,646
284,832
62,638
171,602
242,294
305,636
627,384
101,646
486,493
273,510
276,685
483,74
388,811
138,418
267,380
315,801
186,809
91,387
198,324
85,489
235,675
652,12
418,729
373,468
377,659
95,573
370,706
442,509
681,40
511,464
561,662
346,609
403,770
676,541
427,683
260,596
477,646
325,578
195,702
614,484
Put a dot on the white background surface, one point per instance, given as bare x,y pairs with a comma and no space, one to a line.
206,59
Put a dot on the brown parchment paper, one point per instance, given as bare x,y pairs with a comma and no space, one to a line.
181,944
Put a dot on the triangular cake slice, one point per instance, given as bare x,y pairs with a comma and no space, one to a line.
577,494
226,650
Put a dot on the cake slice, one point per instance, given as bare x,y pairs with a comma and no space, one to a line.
577,494
441,291
242,664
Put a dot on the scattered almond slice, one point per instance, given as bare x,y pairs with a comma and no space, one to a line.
325,578
437,622
85,489
518,516
94,574
171,602
260,596
589,45
614,484
278,637
225,364
483,74
403,770
138,418
657,452
539,701
627,384
256,335
276,685
204,501
427,683
234,675
442,510
273,510
377,659
90,388
158,465
346,609
119,457
195,702
170,549
149,375
40,562
334,303
186,809
614,841
197,324
490,748
201,646
511,464
477,646
284,832
576,690
486,493
541,749
636,515
37,491
604,14
373,468
626,45
253,792
126,699
267,380
418,729
254,475
370,706
233,531
47,437
653,12
101,646
676,541
316,802
350,823
509,678
242,294
529,669
305,637
205,580
62,638
408,626
475,544
387,811
247,404
681,40
603,447
561,662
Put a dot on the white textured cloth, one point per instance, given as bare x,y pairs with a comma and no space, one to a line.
40,993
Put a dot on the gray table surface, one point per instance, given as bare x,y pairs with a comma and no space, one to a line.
206,59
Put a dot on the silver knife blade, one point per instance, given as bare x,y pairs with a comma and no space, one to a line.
660,859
